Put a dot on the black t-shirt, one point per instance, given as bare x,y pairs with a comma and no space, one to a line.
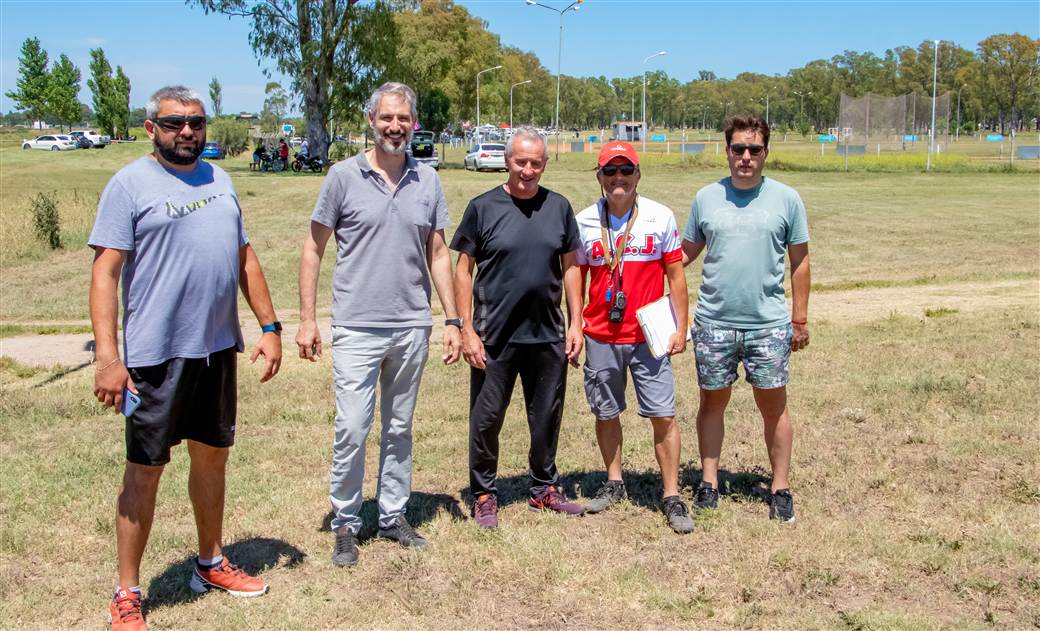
516,244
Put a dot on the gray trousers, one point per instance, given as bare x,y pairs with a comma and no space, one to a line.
361,356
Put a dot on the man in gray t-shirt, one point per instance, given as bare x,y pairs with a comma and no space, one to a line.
746,223
169,225
388,214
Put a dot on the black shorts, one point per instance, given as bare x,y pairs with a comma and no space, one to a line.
192,399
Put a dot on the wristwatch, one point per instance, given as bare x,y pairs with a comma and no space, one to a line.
453,322
274,327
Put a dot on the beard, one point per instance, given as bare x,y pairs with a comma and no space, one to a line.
386,145
182,155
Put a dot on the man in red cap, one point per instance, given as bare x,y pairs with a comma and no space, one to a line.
629,245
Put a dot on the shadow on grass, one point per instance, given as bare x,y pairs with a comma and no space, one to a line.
254,556
422,507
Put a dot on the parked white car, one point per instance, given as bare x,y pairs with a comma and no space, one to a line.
51,143
486,156
97,140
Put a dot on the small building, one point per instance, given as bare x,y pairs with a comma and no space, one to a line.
629,131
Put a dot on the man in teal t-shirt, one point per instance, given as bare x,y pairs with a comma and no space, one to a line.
747,222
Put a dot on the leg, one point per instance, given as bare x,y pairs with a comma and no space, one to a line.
772,403
134,511
609,436
711,430
667,446
604,373
399,386
489,394
357,355
206,489
543,374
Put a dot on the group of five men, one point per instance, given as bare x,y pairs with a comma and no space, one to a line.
170,227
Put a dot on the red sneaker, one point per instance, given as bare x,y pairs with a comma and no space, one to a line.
228,577
485,510
551,499
124,612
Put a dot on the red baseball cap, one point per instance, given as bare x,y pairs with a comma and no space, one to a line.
618,149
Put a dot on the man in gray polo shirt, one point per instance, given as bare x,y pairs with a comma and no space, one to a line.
388,213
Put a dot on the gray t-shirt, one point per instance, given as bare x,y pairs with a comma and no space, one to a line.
746,233
182,233
381,279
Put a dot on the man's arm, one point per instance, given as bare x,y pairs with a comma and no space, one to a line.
254,288
572,287
308,338
472,346
438,257
111,376
690,251
680,300
801,281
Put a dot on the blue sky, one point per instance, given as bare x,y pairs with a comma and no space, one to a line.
160,42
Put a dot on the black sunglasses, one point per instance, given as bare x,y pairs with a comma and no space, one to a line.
741,148
176,123
610,170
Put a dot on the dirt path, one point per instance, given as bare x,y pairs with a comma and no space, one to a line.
857,305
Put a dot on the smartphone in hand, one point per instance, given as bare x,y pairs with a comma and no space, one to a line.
130,402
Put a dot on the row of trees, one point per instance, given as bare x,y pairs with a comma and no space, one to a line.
43,92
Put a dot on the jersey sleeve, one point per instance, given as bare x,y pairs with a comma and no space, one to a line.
466,237
114,225
671,245
693,230
798,225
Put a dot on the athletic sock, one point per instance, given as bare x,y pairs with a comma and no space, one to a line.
136,589
209,564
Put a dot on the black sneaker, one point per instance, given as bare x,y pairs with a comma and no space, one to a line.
707,496
611,491
345,552
403,533
781,506
677,514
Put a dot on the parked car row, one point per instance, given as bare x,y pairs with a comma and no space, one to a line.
78,139
486,156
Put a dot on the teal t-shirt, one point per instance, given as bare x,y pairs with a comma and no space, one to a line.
746,233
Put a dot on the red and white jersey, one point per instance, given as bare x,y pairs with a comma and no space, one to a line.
652,242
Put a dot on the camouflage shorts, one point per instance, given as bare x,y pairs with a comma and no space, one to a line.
766,354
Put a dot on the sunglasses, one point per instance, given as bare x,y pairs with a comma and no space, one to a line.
176,123
738,150
610,170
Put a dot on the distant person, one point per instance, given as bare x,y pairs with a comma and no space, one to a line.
630,244
748,222
171,225
523,241
304,149
283,152
388,214
258,157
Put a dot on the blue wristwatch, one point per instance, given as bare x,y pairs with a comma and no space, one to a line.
274,327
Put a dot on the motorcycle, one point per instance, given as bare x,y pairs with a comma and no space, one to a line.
315,164
271,162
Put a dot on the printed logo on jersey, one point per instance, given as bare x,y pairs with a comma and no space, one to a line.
174,211
647,248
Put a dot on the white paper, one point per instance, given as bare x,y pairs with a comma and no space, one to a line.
659,323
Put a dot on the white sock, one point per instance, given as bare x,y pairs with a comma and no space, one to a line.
211,563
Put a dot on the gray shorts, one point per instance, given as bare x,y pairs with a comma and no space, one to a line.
765,353
605,379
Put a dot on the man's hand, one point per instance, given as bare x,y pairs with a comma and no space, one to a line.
109,383
270,346
801,337
452,345
677,343
473,348
575,341
308,339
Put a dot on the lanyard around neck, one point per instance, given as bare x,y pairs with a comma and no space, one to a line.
617,253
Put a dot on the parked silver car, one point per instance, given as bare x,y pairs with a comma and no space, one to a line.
486,156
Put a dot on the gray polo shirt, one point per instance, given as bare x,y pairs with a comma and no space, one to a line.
381,278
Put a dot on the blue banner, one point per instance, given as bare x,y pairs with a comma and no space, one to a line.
910,138
828,138
657,138
994,138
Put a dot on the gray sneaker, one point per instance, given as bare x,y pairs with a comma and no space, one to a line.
678,515
707,497
345,552
611,491
403,533
781,506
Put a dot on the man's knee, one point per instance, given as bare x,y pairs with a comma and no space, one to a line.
139,478
771,402
207,456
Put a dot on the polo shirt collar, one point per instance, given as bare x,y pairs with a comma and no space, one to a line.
409,164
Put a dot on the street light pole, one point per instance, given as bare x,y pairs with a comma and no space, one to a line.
573,6
478,98
643,131
931,132
511,101
961,87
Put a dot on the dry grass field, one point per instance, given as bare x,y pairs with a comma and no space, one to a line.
916,440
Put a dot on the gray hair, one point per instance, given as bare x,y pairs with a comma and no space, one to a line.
391,87
526,133
178,93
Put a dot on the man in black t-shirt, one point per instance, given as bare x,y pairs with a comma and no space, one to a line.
524,240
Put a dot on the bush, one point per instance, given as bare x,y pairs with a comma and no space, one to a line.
232,135
46,222
341,151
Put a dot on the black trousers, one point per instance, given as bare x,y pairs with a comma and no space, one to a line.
543,375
